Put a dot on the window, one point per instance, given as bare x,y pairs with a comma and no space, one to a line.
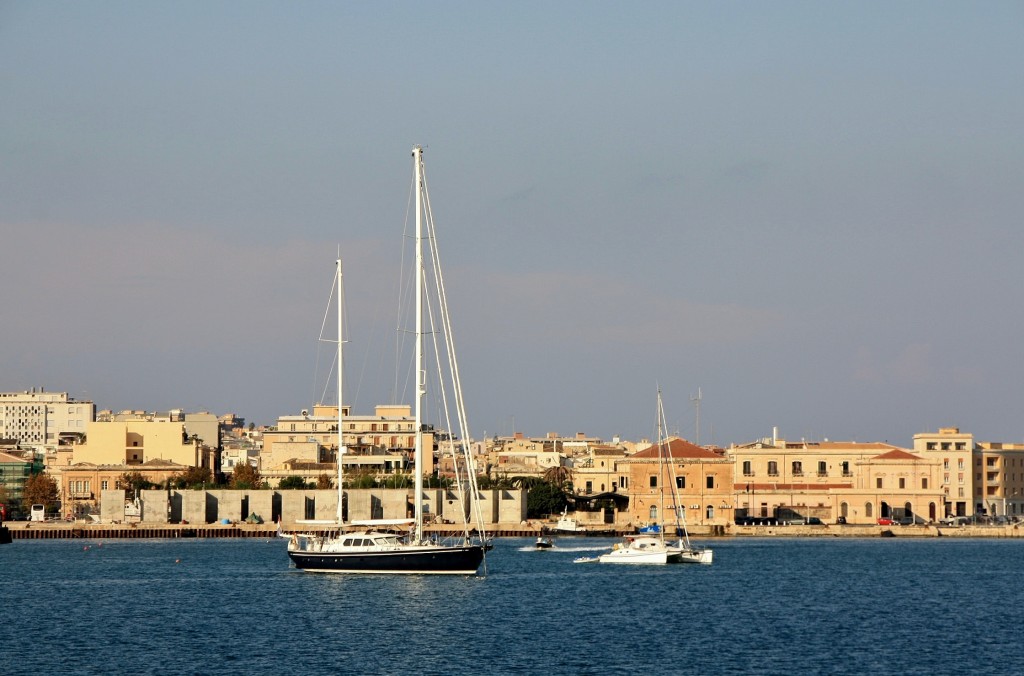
878,482
930,446
924,482
960,464
590,487
845,464
746,468
945,464
654,481
868,509
652,515
104,484
903,482
773,468
798,468
711,510
680,482
711,481
822,468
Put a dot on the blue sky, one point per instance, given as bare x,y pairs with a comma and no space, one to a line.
810,211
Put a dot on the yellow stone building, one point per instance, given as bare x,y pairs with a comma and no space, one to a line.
701,479
860,482
157,449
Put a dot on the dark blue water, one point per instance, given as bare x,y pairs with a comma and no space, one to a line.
771,606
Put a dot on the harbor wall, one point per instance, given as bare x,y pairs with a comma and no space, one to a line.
293,506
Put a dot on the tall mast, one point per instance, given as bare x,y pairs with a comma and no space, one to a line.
341,434
417,153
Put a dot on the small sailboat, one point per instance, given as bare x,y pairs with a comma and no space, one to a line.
375,547
652,547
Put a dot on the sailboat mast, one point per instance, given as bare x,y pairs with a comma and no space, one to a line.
341,371
417,153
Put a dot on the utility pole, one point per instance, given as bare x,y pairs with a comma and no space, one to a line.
696,401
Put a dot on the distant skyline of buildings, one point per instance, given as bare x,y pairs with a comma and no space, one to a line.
940,474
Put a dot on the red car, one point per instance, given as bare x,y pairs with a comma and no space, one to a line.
886,522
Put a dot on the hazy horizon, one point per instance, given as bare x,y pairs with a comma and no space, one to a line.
809,212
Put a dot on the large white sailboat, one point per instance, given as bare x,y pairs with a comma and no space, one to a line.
373,546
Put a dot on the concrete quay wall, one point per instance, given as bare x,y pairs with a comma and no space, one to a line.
291,507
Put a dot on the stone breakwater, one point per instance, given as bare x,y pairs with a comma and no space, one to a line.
79,530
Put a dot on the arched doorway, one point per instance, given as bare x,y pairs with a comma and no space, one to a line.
884,511
931,511
844,509
868,509
908,510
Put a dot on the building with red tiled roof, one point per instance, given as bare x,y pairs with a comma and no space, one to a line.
680,474
859,482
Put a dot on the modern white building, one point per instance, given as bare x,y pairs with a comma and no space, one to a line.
39,419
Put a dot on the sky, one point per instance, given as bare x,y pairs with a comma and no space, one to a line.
809,213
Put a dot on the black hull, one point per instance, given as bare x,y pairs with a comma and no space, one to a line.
5,535
429,561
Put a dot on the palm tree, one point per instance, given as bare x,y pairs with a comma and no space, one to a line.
559,476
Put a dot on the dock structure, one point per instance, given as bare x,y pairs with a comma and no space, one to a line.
78,531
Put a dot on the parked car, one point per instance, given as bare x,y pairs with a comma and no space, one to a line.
885,522
906,521
814,521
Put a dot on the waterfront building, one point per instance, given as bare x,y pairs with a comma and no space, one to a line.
42,419
702,478
999,479
896,485
955,450
861,482
156,448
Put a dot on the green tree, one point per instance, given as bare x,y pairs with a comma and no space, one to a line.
40,489
324,482
193,477
360,480
292,482
544,498
245,476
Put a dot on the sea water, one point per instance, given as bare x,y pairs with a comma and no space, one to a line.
766,606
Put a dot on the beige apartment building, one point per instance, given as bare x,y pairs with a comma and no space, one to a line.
157,449
955,450
999,479
307,445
